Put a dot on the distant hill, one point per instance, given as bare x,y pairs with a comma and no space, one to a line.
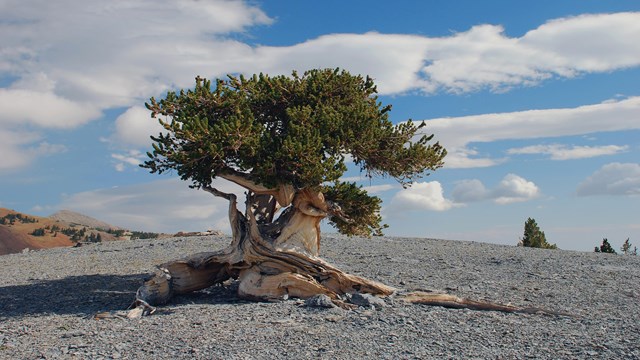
20,231
16,231
73,217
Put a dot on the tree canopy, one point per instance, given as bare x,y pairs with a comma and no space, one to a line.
296,130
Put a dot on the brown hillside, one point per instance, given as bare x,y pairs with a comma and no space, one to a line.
16,235
12,241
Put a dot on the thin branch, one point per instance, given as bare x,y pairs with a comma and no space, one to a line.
283,193
216,192
336,210
244,181
235,217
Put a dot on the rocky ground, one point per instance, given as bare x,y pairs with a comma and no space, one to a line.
48,299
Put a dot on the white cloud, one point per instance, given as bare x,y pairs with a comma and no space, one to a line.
464,157
467,191
512,188
564,152
73,60
590,43
455,134
166,43
394,61
135,126
117,54
421,196
612,179
161,206
484,57
123,51
43,109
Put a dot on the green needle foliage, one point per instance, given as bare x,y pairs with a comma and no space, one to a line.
605,247
534,237
294,130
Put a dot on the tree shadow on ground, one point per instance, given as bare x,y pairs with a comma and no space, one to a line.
89,294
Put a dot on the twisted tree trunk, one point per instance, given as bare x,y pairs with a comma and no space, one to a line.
271,259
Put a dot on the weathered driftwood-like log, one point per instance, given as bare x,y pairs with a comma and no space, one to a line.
455,302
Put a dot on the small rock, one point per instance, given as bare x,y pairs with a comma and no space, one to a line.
367,300
320,301
334,318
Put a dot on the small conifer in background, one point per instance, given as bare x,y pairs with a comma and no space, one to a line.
626,248
605,247
534,237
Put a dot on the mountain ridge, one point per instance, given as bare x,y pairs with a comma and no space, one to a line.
82,219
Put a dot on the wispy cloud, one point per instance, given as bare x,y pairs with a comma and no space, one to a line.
11,147
564,152
131,158
46,149
375,189
456,134
19,149
612,179
161,206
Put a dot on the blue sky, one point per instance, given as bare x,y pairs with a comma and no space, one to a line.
538,104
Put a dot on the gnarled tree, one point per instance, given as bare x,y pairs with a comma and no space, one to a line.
285,140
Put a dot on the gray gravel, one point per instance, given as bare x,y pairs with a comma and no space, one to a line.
48,297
